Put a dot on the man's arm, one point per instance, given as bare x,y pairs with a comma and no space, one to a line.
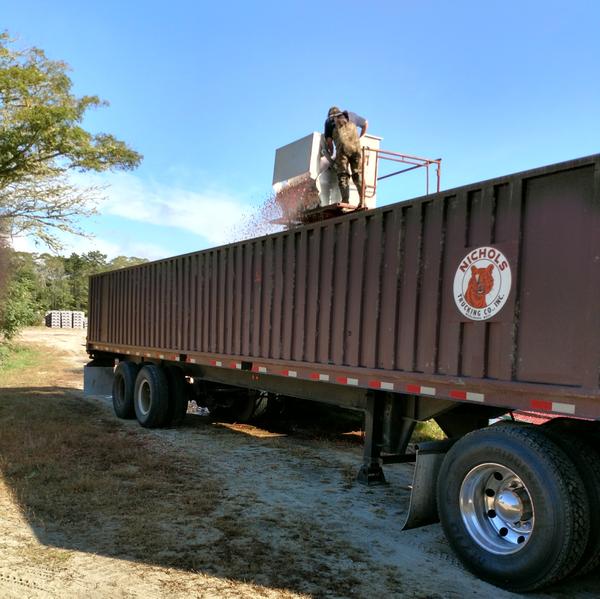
329,141
364,128
359,121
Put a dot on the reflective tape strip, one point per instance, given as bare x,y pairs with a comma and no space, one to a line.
542,405
344,380
467,396
317,376
480,397
291,373
237,365
381,385
256,368
420,390
552,406
564,408
216,363
162,357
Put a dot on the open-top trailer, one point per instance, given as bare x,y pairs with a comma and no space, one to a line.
461,306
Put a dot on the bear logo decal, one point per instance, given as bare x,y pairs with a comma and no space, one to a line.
482,283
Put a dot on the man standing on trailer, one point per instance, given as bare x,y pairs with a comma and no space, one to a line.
341,128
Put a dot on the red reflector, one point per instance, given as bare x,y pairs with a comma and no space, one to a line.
540,404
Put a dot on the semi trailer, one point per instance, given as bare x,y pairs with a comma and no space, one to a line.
465,306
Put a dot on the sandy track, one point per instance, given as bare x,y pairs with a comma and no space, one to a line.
287,521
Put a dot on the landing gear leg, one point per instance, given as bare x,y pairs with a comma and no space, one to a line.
371,472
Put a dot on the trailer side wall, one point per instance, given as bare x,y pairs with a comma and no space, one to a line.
374,290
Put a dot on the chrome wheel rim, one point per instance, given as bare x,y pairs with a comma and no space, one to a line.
497,509
144,398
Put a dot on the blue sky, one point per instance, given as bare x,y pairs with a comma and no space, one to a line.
208,91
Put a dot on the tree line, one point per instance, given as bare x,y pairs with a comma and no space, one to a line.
43,141
38,282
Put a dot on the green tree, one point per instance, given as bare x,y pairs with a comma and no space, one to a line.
54,291
42,140
78,268
20,305
124,262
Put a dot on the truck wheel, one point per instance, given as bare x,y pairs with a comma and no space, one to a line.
178,395
151,396
122,390
513,507
576,444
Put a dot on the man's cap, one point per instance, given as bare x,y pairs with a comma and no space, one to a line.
334,111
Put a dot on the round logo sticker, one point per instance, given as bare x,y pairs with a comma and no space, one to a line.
482,283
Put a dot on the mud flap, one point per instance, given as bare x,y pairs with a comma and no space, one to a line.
98,378
423,506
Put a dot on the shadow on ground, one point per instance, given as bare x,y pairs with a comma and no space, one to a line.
88,482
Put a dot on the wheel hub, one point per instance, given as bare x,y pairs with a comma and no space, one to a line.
496,508
509,506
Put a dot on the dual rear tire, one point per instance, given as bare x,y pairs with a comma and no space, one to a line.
155,395
515,508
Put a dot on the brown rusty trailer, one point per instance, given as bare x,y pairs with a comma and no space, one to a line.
460,306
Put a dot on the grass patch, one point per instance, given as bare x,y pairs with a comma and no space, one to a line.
82,480
427,431
16,358
86,481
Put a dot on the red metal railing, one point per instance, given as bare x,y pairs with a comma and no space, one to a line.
415,162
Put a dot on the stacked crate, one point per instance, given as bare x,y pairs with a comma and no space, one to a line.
66,319
53,319
78,320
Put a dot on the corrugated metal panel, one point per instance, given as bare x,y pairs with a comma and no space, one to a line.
375,289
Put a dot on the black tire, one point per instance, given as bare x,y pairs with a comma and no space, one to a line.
576,444
178,396
151,396
532,528
123,389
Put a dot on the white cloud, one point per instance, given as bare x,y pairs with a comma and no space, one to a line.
210,214
23,243
216,216
82,245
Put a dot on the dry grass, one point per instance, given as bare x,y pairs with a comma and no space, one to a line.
74,471
87,482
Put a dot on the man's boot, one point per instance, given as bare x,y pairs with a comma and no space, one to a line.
357,180
345,193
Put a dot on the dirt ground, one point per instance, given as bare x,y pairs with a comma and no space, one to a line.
92,506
